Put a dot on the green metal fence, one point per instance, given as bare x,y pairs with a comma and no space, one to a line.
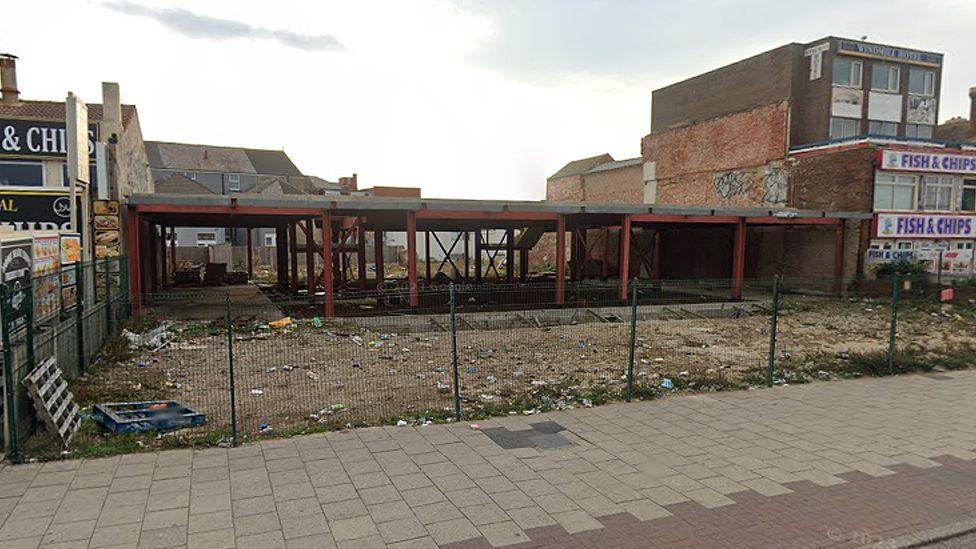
259,363
69,315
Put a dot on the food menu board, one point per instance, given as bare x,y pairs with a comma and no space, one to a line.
47,283
16,265
70,256
107,235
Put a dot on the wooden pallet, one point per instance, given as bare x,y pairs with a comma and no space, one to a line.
53,401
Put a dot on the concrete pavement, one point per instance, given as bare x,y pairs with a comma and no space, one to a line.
838,464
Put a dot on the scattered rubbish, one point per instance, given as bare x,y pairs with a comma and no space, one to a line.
476,427
472,370
357,340
490,379
264,428
538,383
311,375
280,323
270,370
287,368
355,364
401,423
443,387
667,384
156,339
257,392
486,397
316,322
587,403
683,373
141,364
658,360
420,375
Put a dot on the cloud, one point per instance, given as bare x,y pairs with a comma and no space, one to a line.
206,27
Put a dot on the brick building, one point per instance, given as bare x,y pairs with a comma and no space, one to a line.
797,127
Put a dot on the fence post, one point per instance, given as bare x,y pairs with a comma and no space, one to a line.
230,371
80,318
633,338
108,299
29,336
895,289
941,252
454,355
774,316
124,287
10,404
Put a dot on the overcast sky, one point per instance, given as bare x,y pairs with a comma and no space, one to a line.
467,99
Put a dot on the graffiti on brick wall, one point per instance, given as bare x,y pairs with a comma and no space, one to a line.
776,186
734,183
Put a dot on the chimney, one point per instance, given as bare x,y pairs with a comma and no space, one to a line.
349,184
971,134
9,94
111,112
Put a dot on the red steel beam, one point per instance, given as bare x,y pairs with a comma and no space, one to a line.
560,259
412,257
327,268
486,216
224,210
673,218
738,258
791,220
624,256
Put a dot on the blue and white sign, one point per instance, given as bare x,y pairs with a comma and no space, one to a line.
912,161
911,225
887,52
885,256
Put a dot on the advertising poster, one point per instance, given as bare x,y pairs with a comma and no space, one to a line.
107,222
16,265
47,266
70,256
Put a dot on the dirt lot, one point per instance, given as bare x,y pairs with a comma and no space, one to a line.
312,373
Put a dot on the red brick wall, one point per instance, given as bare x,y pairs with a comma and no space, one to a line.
837,180
623,185
729,161
565,189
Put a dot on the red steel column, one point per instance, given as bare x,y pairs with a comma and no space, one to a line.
412,256
293,248
172,250
361,251
135,262
477,256
738,258
560,258
510,256
310,256
574,254
250,254
624,255
427,253
605,270
839,256
656,260
153,259
327,266
378,255
466,255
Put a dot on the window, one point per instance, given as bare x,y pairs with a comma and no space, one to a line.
885,77
190,175
847,72
922,131
270,239
844,127
233,182
968,203
905,245
894,192
206,239
937,193
921,82
876,127
22,173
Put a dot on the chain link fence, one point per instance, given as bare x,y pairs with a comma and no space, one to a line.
257,363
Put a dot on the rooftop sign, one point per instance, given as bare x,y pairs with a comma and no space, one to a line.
877,51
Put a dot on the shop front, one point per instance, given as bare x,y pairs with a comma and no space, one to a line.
925,209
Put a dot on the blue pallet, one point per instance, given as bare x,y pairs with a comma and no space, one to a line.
137,417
